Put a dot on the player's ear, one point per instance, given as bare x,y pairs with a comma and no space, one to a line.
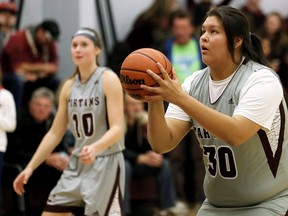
238,42
97,50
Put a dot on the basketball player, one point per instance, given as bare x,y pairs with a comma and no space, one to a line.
91,103
237,108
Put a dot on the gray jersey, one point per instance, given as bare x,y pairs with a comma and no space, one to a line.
88,119
252,172
97,187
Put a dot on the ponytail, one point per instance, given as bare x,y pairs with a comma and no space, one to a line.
254,50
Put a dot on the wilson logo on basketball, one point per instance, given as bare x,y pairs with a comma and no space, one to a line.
127,80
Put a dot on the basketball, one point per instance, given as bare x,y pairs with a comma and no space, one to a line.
133,70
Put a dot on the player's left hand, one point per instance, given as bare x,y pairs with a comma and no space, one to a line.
169,89
88,155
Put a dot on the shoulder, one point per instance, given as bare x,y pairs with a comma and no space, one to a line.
6,96
110,77
17,36
188,81
261,72
16,39
111,82
66,88
6,92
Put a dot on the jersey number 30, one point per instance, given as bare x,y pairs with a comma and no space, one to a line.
221,158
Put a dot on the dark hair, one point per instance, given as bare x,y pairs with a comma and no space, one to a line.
51,26
236,24
179,14
200,11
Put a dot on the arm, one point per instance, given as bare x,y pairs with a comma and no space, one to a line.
231,129
46,68
56,132
49,142
33,71
164,134
114,100
7,112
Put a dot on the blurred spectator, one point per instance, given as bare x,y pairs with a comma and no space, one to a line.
183,49
32,124
198,15
199,9
8,18
151,26
266,45
283,68
273,30
141,161
7,124
254,13
150,29
191,4
29,61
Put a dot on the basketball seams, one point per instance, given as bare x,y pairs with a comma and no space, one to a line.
137,52
131,69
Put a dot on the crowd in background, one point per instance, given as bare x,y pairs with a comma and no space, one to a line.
30,74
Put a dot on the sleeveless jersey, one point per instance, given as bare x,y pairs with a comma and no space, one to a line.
252,172
87,110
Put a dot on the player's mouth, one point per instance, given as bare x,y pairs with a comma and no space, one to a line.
204,49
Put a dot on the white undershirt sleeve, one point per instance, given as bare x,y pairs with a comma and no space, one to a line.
259,99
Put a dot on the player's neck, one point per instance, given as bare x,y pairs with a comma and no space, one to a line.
86,72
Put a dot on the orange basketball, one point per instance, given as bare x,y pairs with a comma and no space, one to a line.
133,70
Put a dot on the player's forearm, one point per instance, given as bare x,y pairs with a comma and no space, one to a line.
157,129
114,134
39,67
222,126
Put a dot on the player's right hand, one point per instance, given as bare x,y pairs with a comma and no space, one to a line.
21,180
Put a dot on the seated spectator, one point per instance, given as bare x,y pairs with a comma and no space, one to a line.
149,29
141,161
32,125
273,30
283,69
199,10
8,18
29,60
182,48
7,124
151,26
254,13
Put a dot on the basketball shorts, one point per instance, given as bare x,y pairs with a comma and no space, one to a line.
98,188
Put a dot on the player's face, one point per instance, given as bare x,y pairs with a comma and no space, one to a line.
83,51
40,109
213,42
